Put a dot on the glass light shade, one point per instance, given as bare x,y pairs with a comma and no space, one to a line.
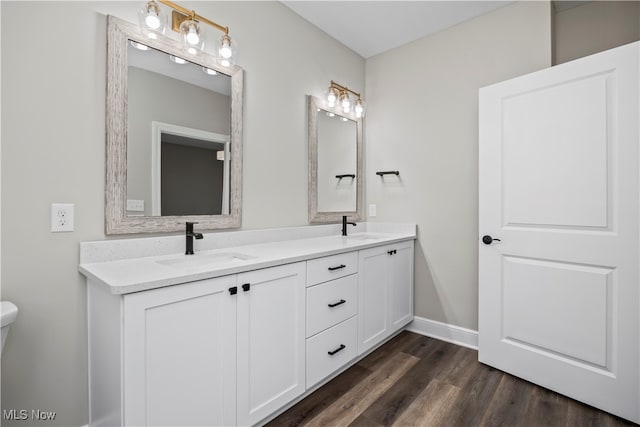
359,108
345,102
191,36
227,49
332,97
152,20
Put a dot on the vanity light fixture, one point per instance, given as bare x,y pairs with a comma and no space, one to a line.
187,23
340,95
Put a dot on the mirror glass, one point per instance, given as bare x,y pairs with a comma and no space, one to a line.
174,135
179,117
335,163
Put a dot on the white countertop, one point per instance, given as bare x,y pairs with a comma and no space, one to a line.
141,273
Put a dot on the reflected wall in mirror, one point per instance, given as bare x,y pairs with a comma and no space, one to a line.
174,136
335,163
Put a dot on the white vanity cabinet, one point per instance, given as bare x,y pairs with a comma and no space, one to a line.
271,340
174,341
385,290
222,351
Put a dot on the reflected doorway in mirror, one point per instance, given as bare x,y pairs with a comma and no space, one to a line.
187,177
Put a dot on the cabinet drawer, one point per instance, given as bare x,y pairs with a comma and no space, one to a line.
331,303
331,267
341,340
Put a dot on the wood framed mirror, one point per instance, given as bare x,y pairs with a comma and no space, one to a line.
335,163
174,138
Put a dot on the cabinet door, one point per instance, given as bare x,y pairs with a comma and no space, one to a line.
401,285
179,355
271,340
373,317
385,292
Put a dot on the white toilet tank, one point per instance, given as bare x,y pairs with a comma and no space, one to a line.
8,313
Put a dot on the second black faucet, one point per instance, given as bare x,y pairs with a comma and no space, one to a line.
190,235
344,225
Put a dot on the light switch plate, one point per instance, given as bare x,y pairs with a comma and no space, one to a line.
372,211
62,217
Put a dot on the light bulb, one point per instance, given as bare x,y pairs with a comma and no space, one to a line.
152,20
225,63
192,36
225,50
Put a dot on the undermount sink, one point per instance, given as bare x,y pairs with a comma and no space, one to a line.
363,236
198,262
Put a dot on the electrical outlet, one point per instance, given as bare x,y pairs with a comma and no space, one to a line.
61,217
135,205
372,211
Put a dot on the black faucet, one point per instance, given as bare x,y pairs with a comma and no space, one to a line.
344,225
190,235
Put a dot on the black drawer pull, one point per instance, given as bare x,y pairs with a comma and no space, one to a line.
392,252
246,287
337,267
342,347
233,290
335,304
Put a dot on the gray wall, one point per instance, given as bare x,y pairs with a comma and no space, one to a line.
422,120
53,150
594,27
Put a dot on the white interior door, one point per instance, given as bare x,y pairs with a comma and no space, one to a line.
559,187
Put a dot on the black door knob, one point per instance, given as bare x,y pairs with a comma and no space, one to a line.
487,240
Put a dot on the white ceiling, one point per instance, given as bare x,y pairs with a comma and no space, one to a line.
372,27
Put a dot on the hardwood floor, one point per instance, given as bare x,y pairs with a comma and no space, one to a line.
418,381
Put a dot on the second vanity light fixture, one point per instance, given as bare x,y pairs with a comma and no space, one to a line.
187,23
338,95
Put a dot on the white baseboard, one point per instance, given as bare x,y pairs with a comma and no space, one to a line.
444,331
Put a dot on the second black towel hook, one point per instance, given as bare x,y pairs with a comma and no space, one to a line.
382,173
